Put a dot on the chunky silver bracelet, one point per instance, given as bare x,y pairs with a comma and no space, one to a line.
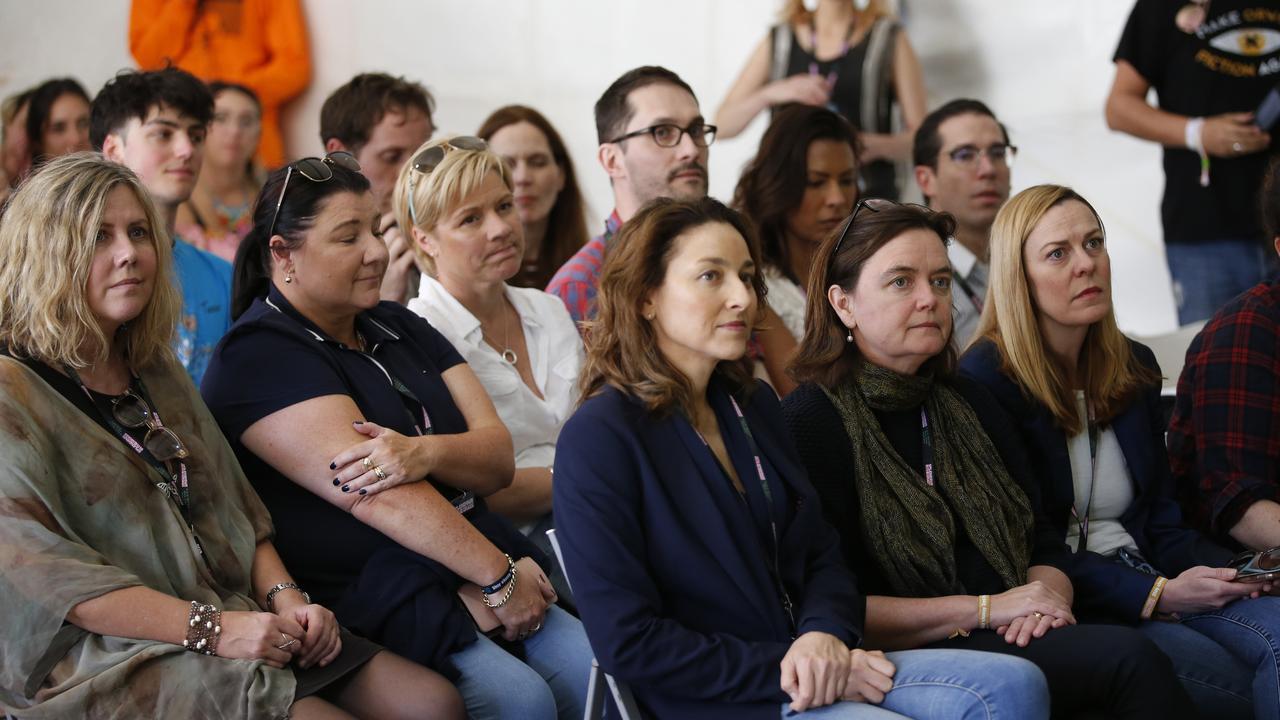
271,594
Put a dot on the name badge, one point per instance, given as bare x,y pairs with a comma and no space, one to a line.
465,502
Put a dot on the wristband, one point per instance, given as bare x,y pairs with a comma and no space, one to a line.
508,576
511,588
1193,134
984,612
1153,598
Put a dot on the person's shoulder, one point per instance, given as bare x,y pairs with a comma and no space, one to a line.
1257,307
1144,354
581,266
189,256
543,305
982,357
807,402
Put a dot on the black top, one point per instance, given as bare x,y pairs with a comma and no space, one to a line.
825,449
1229,65
272,358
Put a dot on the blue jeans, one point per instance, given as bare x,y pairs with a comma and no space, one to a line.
1250,631
1207,275
551,683
946,684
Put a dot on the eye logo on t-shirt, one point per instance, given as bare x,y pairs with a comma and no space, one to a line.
1248,41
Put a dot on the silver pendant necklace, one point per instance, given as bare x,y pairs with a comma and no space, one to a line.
507,353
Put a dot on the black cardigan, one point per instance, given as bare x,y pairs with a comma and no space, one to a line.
827,454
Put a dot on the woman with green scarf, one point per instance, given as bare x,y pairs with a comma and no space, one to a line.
922,475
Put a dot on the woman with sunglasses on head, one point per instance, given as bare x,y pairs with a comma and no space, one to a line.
546,189
921,474
136,563
801,185
703,569
373,445
456,196
1086,402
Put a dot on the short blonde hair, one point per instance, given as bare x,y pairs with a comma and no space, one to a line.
47,242
1112,374
459,174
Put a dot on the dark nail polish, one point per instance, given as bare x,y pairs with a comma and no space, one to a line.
336,481
363,491
346,489
333,466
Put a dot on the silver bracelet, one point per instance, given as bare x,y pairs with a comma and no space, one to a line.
271,594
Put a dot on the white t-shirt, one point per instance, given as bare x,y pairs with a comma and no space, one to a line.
555,355
1112,493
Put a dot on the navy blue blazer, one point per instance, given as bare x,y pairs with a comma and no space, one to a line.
668,568
1104,588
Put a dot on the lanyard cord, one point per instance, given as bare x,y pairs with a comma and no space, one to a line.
1082,522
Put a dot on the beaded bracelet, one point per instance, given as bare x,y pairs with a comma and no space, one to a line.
984,612
511,588
506,577
204,627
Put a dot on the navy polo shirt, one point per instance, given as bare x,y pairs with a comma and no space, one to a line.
272,358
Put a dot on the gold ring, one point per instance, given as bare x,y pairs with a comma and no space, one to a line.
367,463
377,470
1038,614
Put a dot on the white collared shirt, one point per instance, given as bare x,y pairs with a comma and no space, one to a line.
555,355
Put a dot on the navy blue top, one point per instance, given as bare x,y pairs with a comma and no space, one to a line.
1105,589
672,568
274,357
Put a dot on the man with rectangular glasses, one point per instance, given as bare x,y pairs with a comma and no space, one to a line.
963,160
653,143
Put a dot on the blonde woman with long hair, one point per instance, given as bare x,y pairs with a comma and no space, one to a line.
849,56
136,563
1086,400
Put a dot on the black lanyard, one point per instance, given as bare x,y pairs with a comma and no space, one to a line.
176,488
926,446
775,569
1082,523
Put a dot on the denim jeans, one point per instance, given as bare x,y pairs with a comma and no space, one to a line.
1207,275
551,683
1250,631
947,684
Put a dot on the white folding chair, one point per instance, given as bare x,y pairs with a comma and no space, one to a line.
622,697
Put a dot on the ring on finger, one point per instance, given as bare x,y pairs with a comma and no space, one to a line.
368,464
1038,614
377,470
1237,147
535,628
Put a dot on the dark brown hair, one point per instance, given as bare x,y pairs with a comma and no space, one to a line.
351,113
613,109
773,183
567,224
824,355
1269,200
622,349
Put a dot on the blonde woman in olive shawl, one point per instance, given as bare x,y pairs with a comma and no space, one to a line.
137,573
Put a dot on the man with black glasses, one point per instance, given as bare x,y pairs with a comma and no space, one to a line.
653,143
963,159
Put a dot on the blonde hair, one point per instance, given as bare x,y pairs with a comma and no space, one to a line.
459,174
794,13
1110,371
47,243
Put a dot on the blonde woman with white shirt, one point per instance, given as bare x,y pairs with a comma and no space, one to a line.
456,196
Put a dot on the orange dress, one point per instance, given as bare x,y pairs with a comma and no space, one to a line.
261,44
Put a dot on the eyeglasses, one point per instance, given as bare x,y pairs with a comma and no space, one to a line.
427,160
316,170
132,411
999,154
670,135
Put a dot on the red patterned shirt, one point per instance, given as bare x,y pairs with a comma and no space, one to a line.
577,280
1224,439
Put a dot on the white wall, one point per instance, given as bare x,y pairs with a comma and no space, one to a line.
1043,65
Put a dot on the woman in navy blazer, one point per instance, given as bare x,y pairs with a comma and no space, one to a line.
705,574
1087,401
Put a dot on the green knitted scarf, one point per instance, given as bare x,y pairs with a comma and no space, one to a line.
910,526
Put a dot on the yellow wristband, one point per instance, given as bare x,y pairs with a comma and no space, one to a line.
1153,598
984,612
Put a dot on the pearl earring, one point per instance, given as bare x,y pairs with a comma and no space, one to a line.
849,338
288,277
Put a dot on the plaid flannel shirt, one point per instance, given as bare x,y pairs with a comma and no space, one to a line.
1224,439
577,281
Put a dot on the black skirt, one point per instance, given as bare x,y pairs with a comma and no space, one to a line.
356,651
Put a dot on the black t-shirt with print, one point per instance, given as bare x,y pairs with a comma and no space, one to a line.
1228,65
